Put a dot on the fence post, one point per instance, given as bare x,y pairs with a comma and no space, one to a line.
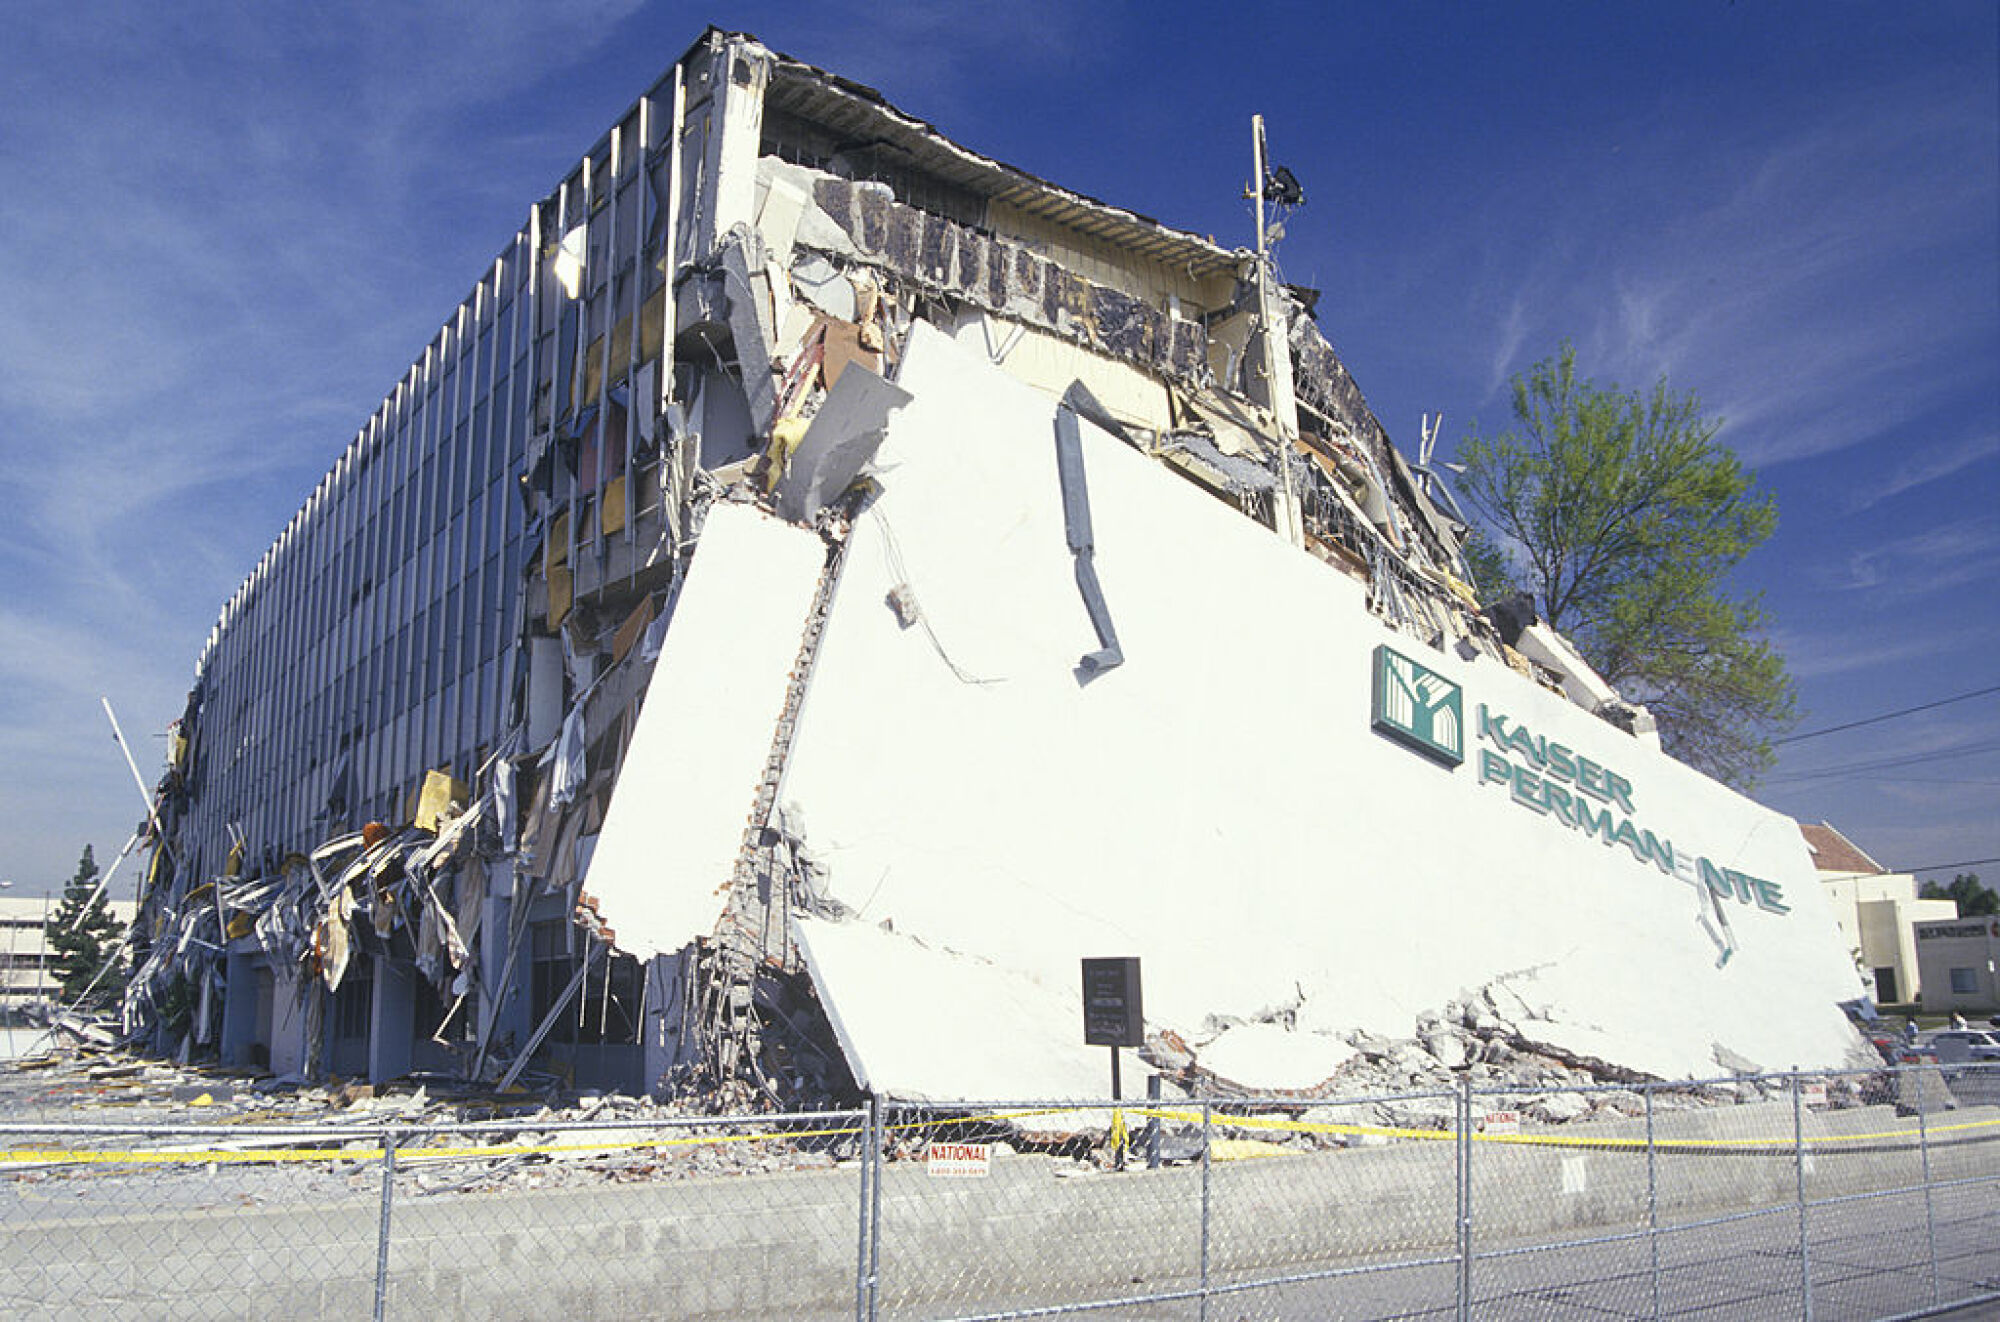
1153,1122
879,1154
866,1145
1930,1212
382,1234
1799,1174
1653,1201
1464,1179
1207,1137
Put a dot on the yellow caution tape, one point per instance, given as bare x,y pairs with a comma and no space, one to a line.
168,1157
1555,1140
1222,1149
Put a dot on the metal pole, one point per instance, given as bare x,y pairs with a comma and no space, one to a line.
1257,185
1153,1122
861,1243
1930,1213
1799,1172
1206,1135
159,832
382,1235
145,795
1465,1177
1277,350
1653,1200
1117,1134
875,1213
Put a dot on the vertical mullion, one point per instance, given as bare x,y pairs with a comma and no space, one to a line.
671,266
642,186
576,352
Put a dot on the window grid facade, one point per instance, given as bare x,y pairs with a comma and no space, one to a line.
379,635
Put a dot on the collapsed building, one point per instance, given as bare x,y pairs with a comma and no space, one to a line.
821,583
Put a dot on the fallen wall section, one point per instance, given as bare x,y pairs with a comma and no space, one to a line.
1220,806
675,826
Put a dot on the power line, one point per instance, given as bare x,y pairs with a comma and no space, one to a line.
1887,716
1939,867
1932,780
1886,764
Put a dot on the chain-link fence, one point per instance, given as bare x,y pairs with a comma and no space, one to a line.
1867,1195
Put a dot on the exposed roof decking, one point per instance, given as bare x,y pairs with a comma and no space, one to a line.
851,108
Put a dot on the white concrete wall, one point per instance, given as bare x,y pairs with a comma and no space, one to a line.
685,792
1050,363
1219,805
1887,928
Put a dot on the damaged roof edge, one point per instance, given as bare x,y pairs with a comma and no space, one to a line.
801,88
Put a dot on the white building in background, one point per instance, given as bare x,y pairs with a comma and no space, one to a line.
1876,910
1960,960
26,976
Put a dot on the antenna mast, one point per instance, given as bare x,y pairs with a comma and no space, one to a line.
1290,523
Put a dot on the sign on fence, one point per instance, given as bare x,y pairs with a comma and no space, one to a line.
959,1160
1502,1122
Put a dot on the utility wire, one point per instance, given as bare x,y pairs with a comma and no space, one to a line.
1887,716
1886,764
1939,867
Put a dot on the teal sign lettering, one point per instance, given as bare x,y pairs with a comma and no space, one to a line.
1553,780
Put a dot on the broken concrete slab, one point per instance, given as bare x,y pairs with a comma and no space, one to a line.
839,442
917,817
917,1022
676,823
1272,1058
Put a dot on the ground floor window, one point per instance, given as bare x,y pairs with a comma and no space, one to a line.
551,967
1964,982
354,1002
604,1009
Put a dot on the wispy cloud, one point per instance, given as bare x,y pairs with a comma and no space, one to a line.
936,55
216,259
1933,560
1513,332
1778,297
1934,464
1814,656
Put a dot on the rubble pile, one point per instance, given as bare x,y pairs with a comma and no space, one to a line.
539,1140
1488,1039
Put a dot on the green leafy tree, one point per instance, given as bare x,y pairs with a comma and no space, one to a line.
1974,900
1623,517
83,938
1492,578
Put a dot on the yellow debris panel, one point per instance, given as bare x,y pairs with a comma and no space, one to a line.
613,505
561,591
434,800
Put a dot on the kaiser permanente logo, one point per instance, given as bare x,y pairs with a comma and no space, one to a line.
1423,710
1418,706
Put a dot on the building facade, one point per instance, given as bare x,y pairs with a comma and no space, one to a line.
513,756
1877,911
26,960
1960,959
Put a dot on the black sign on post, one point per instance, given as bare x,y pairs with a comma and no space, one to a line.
1112,1016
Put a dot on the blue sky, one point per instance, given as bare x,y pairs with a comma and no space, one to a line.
232,226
